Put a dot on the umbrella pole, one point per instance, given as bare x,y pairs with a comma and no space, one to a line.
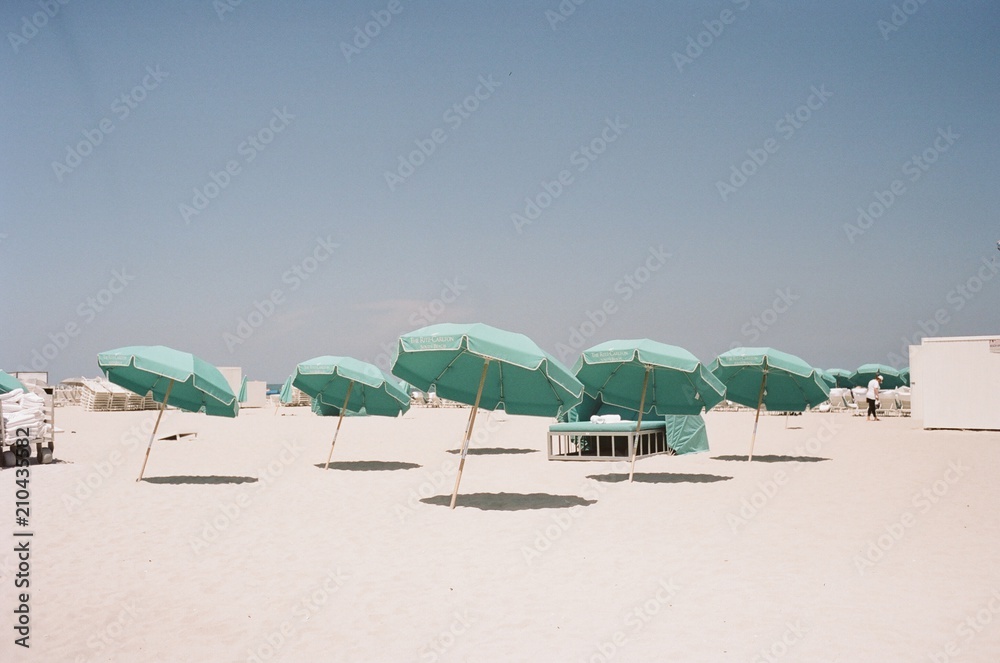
350,386
468,434
638,425
163,406
760,401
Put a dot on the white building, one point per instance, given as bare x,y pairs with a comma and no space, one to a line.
956,382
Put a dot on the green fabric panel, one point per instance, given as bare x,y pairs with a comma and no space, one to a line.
9,383
687,434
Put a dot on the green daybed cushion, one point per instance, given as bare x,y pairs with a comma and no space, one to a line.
617,427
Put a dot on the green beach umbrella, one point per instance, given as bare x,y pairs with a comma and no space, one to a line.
243,390
173,378
285,396
350,385
842,376
865,373
904,375
9,383
487,368
648,377
758,377
830,380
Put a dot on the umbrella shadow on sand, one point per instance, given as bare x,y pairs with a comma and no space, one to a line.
511,501
659,477
370,465
213,479
774,459
493,451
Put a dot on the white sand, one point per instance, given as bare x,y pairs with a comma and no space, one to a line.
300,564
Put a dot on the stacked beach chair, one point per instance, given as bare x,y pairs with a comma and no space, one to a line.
27,415
103,396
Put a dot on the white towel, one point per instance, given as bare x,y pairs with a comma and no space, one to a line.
605,418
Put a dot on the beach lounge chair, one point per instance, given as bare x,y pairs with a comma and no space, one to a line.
903,400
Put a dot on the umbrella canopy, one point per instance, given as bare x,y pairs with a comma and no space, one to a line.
9,383
904,375
890,376
648,377
173,378
348,384
197,386
243,390
328,379
520,376
677,384
792,385
485,367
830,380
765,377
842,377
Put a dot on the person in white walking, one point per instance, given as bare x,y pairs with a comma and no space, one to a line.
872,396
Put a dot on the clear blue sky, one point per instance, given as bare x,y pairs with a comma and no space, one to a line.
101,225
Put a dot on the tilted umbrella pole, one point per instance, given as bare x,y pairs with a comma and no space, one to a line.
163,406
468,433
638,425
350,386
760,401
